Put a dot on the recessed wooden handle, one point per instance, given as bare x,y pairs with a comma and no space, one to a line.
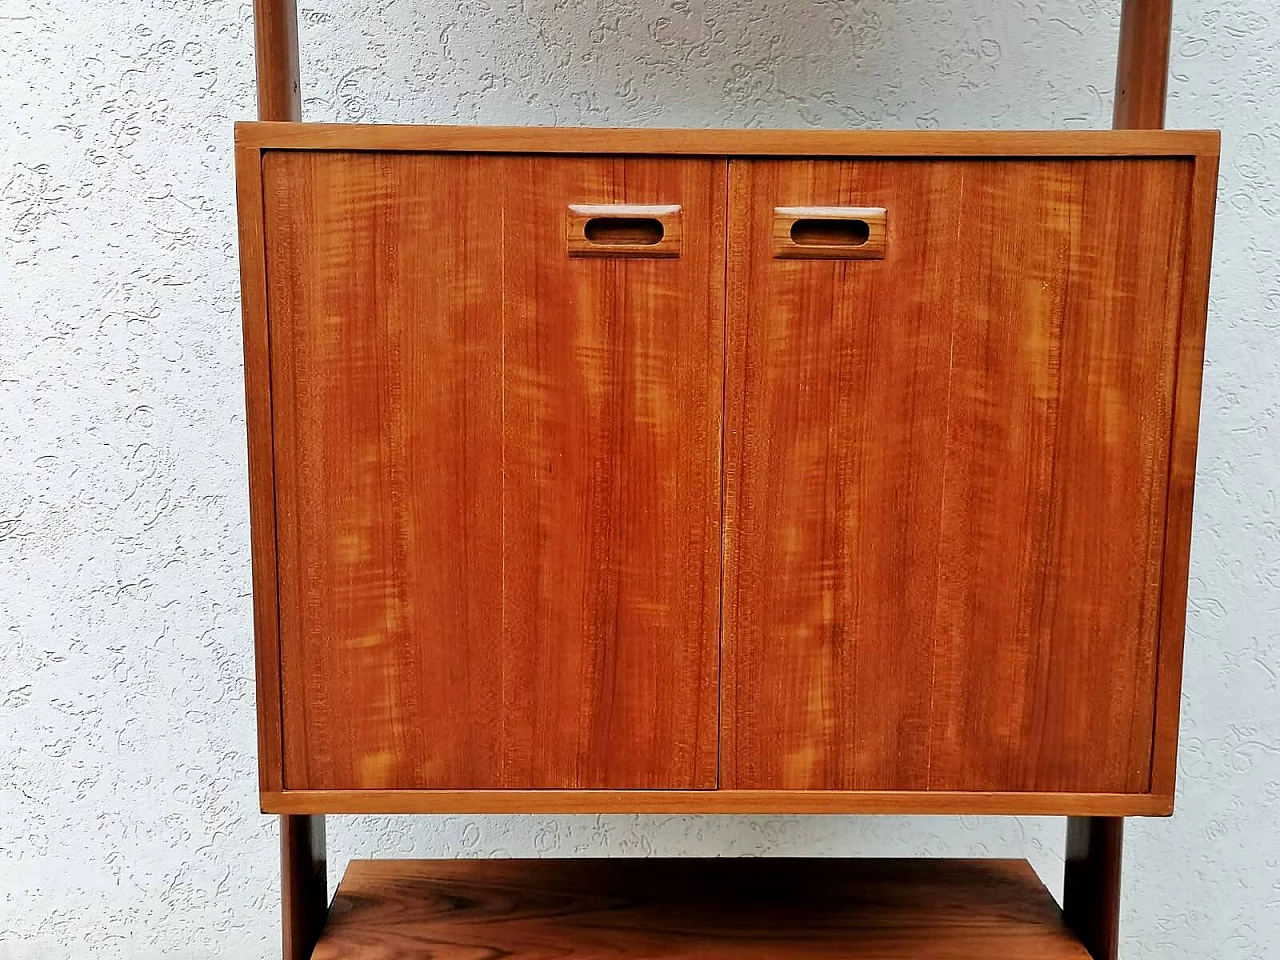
623,230
829,233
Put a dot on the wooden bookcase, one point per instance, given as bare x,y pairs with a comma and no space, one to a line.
719,471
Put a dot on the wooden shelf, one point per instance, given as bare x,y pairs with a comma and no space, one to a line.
745,909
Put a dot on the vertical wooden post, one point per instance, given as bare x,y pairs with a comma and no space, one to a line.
304,890
275,40
1142,68
304,883
1091,890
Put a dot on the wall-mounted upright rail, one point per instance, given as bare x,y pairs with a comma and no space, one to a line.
275,37
1142,67
304,880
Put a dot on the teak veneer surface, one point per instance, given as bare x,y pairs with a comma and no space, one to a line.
994,803
497,474
487,488
946,477
696,142
753,909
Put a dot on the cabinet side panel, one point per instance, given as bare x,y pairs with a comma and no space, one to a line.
1182,471
498,474
262,509
946,477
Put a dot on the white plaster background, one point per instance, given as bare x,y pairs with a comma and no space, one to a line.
128,823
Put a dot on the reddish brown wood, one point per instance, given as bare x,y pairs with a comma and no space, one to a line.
1142,67
304,884
718,801
753,909
497,473
275,36
942,144
1072,799
945,477
262,516
614,230
1182,476
829,233
1091,888
1095,844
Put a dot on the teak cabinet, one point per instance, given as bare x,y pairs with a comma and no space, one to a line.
706,475
719,471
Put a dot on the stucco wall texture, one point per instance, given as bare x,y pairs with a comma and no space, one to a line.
128,819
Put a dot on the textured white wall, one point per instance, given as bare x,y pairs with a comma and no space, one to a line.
128,824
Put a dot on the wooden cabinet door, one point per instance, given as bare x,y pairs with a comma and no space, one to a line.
496,468
946,473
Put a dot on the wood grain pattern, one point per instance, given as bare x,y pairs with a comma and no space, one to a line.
697,142
275,37
825,240
261,454
1142,66
945,478
497,474
749,909
1057,464
581,241
717,801
1182,474
1152,798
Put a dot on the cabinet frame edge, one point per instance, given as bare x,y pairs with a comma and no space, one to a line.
254,139
261,466
714,801
938,144
1180,489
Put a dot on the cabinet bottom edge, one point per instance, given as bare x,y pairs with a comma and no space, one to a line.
716,801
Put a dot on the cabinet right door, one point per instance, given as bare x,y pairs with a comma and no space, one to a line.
946,465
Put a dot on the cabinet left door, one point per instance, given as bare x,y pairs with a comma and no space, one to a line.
496,427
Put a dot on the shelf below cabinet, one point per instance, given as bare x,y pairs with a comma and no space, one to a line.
740,908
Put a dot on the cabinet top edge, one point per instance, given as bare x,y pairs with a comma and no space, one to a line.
266,135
